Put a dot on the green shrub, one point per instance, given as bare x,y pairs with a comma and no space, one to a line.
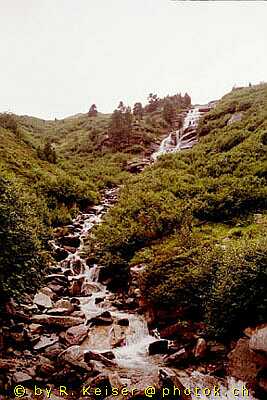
22,236
238,294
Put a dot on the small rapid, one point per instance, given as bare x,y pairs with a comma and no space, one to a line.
129,341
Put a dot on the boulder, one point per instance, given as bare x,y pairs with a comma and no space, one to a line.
93,355
72,241
42,300
179,330
57,288
53,351
200,349
245,364
76,334
169,381
258,341
123,322
70,249
46,341
60,254
104,318
45,367
36,329
158,347
178,358
21,377
60,321
74,355
64,303
48,292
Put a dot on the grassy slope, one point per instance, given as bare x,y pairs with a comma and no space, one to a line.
192,219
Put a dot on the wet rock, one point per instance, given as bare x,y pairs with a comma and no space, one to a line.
75,287
45,366
56,288
262,383
76,335
200,349
179,330
60,311
48,292
74,355
178,358
108,354
36,329
78,313
119,343
21,377
60,321
72,241
93,355
100,382
18,334
258,341
123,322
244,363
53,351
60,254
216,347
99,300
158,347
88,288
46,341
168,381
70,249
42,300
104,318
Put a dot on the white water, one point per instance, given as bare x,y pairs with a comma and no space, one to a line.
181,138
133,354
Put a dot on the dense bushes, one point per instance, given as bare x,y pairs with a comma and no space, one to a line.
22,236
237,295
221,181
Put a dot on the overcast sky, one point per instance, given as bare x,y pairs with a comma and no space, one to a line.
57,57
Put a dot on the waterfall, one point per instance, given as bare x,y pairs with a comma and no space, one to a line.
177,140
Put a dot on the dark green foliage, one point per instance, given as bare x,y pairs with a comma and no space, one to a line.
168,112
22,259
120,127
219,183
9,121
238,295
47,153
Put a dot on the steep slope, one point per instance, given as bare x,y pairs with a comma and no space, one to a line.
196,221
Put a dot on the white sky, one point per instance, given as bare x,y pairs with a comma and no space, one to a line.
57,57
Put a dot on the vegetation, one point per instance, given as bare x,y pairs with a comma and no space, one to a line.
190,218
51,169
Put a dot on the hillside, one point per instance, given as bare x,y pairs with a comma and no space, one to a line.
61,167
195,222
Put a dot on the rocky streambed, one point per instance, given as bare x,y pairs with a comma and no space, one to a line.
75,334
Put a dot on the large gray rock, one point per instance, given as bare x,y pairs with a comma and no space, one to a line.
43,300
258,341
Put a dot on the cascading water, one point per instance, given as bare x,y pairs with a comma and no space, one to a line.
131,355
182,138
